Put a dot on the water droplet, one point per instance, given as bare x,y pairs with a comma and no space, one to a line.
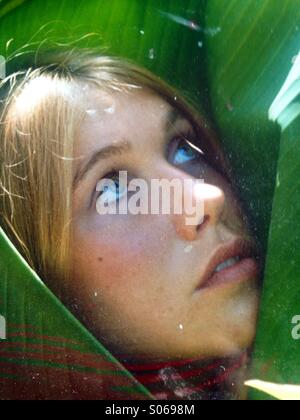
229,106
200,44
152,53
188,249
212,31
180,326
91,111
111,109
142,32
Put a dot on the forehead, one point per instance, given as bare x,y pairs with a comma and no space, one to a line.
113,116
107,105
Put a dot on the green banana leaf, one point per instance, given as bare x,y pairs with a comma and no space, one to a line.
232,57
278,354
246,72
247,67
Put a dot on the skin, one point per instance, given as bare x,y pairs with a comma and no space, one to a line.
135,277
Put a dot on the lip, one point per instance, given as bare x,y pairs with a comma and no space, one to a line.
246,269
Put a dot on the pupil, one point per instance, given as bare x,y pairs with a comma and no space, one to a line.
185,149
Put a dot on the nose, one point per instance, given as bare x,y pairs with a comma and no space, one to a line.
207,202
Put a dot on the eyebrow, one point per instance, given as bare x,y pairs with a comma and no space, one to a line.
104,153
118,149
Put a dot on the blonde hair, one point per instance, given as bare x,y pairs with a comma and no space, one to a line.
39,121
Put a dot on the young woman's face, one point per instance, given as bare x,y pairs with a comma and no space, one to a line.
143,283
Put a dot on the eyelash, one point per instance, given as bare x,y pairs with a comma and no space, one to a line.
186,138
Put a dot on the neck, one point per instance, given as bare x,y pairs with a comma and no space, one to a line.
192,379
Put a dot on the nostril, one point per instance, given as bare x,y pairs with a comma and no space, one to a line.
203,224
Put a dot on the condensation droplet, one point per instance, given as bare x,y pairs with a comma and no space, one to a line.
212,31
229,106
91,111
188,249
152,53
111,109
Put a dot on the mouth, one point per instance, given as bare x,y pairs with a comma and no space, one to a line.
233,263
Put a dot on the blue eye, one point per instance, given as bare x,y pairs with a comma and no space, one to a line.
111,189
185,153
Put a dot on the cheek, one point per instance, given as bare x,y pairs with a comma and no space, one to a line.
122,257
